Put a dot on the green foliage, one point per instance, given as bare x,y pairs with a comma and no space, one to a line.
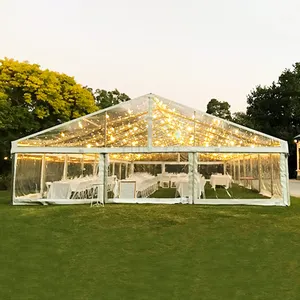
242,119
275,109
219,109
106,99
32,99
5,181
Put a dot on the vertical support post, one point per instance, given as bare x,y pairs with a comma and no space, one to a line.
163,167
197,191
259,174
82,164
251,171
42,180
105,175
105,129
131,168
113,168
244,172
234,173
224,168
239,171
95,166
272,175
126,170
150,121
14,173
120,171
101,174
297,171
192,177
65,172
284,179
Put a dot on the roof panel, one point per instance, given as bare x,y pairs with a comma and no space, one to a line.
128,124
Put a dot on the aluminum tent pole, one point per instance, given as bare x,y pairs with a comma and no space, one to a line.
234,172
42,179
191,178
95,166
131,168
126,170
297,171
120,171
14,173
272,174
259,174
105,179
251,171
113,168
65,172
239,171
284,179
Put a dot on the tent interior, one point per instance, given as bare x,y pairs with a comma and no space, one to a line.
150,150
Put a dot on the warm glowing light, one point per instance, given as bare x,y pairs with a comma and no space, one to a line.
5,158
173,128
177,134
88,145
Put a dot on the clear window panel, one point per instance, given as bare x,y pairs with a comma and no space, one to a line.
28,176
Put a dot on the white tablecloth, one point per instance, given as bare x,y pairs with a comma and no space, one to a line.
64,188
224,180
182,186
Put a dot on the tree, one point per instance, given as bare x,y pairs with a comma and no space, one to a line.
219,109
275,109
106,99
242,119
32,99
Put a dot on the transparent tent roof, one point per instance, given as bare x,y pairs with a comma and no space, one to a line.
148,119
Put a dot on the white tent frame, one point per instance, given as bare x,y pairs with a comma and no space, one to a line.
192,150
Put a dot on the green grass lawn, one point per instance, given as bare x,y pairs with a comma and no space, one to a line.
236,192
149,252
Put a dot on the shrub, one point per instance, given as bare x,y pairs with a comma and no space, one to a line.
5,181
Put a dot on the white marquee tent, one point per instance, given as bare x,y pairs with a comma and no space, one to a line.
131,152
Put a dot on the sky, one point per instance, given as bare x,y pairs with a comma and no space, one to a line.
186,50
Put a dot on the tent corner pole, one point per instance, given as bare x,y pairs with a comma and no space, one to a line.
13,183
